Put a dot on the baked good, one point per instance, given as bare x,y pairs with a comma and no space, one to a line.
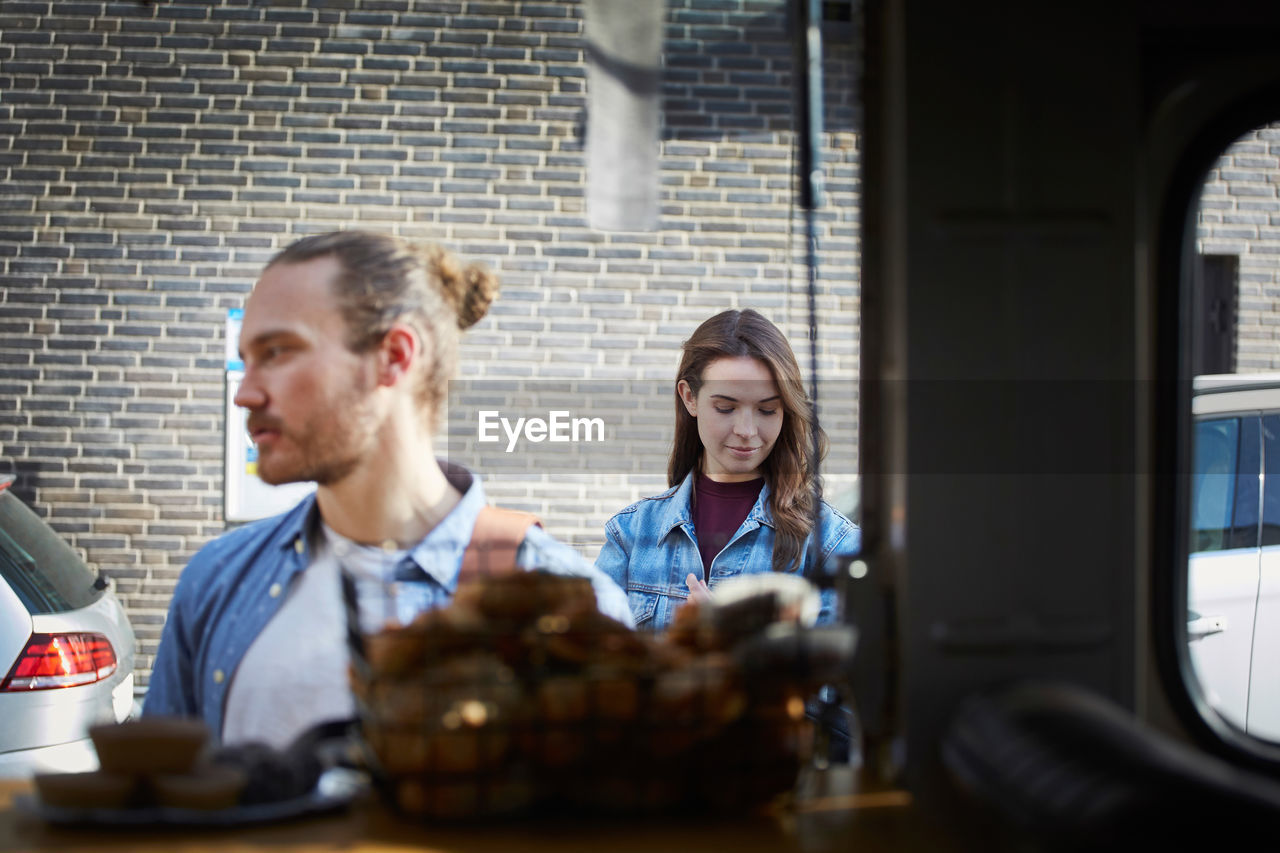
575,637
96,790
512,599
408,749
208,787
563,699
427,697
396,651
615,694
522,692
557,747
149,745
270,774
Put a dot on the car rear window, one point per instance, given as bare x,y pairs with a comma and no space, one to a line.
45,573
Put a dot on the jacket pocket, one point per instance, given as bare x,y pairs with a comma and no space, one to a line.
643,606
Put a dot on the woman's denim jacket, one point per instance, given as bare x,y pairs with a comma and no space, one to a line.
650,547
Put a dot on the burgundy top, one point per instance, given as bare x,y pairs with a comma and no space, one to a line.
718,511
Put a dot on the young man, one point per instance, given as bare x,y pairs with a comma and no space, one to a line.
348,341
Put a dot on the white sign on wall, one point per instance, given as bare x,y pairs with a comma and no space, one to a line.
245,496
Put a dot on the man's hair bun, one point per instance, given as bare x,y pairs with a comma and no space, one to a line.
470,289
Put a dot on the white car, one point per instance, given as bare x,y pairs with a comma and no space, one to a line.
1233,592
66,648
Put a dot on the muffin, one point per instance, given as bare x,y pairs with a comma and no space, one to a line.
97,790
150,745
208,787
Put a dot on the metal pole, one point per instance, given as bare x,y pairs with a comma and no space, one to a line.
808,70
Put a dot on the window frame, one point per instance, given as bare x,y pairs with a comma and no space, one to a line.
1174,219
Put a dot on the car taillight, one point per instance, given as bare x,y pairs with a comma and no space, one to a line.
61,660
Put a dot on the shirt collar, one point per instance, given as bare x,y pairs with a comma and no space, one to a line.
439,554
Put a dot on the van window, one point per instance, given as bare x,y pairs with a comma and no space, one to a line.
1224,512
1214,486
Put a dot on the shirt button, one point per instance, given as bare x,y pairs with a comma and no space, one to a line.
218,676
297,545
275,590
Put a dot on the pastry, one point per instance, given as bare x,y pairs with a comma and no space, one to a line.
270,775
150,745
97,790
208,787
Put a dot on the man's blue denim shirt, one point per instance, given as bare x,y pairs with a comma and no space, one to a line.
236,583
650,547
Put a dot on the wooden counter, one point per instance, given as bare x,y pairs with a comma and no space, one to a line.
830,816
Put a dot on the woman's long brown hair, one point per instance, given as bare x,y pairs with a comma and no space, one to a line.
788,468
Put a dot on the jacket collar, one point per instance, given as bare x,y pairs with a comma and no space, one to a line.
677,507
677,510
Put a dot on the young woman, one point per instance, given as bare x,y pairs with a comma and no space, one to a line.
741,497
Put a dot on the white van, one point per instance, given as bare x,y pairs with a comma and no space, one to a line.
1233,594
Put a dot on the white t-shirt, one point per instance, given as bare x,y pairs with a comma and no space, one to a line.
274,697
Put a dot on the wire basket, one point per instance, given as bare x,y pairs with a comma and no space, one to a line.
520,696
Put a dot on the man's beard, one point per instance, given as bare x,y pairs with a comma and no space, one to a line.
332,443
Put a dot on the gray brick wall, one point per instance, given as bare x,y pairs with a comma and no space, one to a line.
153,156
1239,214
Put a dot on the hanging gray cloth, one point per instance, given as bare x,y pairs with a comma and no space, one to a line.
624,80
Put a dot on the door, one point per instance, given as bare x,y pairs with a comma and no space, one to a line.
1224,567
1264,672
